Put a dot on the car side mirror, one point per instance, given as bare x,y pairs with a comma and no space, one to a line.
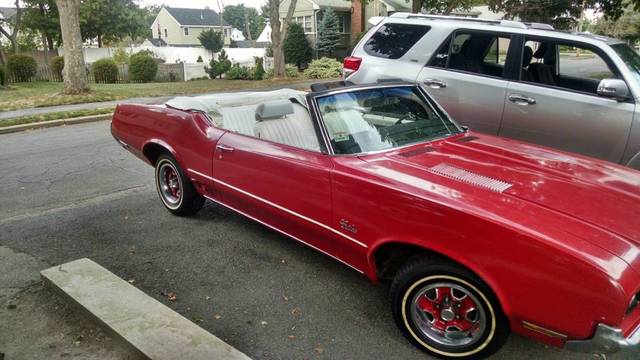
613,88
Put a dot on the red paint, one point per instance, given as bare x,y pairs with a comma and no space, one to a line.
560,248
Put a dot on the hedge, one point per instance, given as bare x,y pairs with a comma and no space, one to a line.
21,68
105,71
57,65
142,67
324,68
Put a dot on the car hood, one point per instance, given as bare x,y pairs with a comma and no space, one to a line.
603,198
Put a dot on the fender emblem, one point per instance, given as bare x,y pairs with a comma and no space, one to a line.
347,226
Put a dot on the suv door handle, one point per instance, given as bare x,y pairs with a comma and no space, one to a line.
224,148
521,99
435,83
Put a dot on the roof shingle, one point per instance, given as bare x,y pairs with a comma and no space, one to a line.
195,17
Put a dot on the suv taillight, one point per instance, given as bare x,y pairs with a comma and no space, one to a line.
351,64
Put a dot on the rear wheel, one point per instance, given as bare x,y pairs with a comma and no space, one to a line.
176,191
446,310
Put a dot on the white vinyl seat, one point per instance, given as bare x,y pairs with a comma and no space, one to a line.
292,127
240,119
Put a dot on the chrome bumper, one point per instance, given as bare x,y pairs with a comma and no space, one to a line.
606,340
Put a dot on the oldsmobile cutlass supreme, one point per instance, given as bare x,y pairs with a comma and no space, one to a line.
478,235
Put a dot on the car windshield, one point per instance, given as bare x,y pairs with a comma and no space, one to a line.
382,118
630,58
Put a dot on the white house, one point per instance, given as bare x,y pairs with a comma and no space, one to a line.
265,35
181,27
237,35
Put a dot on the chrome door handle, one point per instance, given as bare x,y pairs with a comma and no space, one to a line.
435,83
224,148
521,99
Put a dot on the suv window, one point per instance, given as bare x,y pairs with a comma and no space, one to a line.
476,52
570,66
392,41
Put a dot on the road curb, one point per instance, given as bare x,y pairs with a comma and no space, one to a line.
146,325
53,123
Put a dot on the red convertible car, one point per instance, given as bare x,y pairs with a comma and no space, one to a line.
478,235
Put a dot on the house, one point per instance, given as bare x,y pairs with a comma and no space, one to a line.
352,16
237,35
181,26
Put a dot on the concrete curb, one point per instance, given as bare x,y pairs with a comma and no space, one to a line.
53,123
147,326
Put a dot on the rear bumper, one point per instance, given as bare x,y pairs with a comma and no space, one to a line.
606,340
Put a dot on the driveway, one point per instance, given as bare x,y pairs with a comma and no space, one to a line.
72,192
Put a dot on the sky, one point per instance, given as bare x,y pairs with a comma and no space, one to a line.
196,4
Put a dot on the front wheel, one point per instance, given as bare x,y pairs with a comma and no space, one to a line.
446,310
176,190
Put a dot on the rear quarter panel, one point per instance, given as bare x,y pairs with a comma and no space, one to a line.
189,137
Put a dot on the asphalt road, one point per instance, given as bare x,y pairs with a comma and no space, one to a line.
72,192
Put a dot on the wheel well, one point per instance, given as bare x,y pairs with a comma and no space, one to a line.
152,152
391,256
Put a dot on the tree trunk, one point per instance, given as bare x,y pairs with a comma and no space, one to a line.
278,34
74,72
3,61
247,25
45,49
416,6
99,40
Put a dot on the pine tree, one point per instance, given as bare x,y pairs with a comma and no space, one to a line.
328,35
220,66
296,46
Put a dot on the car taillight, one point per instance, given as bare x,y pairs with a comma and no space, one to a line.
351,64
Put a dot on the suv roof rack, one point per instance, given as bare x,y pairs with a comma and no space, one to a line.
507,23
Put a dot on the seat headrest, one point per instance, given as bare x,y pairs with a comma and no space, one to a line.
274,109
542,50
527,55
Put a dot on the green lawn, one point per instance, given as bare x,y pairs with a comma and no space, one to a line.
39,94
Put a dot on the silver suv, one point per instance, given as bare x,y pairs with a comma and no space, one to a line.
576,92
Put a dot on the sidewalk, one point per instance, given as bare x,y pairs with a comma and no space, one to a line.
142,100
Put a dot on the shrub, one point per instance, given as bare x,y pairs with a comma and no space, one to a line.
290,71
199,59
238,73
57,65
258,71
21,67
324,68
142,67
218,67
120,56
105,71
2,79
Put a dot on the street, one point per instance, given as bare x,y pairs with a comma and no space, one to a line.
72,192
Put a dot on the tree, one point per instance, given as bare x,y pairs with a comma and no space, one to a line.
245,19
211,40
42,16
627,27
296,46
328,35
562,14
74,73
15,24
278,33
218,67
111,20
